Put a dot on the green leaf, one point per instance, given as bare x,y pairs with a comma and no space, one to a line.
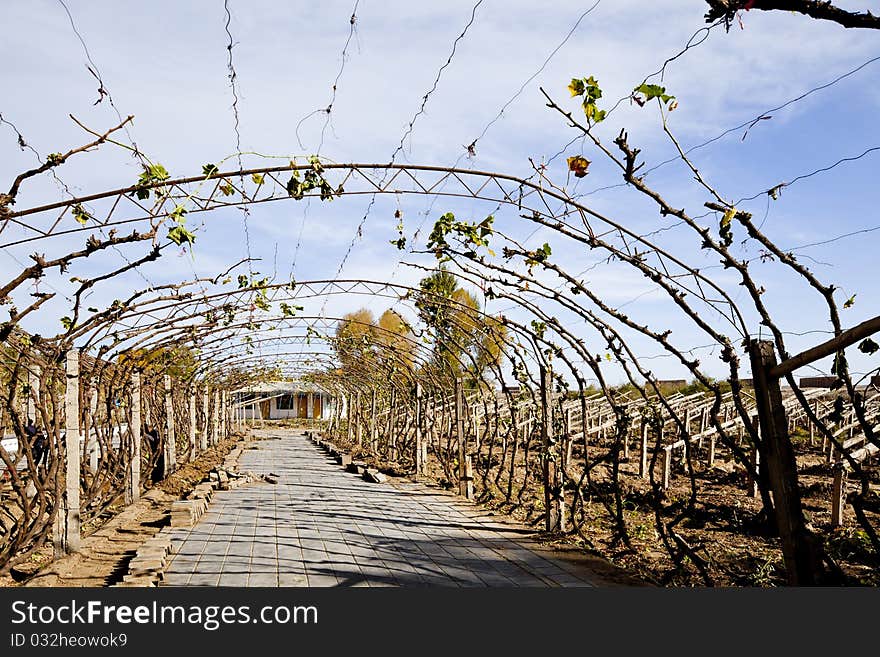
177,214
180,235
209,169
153,173
67,323
289,311
868,346
80,214
651,91
227,189
589,89
258,178
849,303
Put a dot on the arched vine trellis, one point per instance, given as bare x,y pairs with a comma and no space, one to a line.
517,422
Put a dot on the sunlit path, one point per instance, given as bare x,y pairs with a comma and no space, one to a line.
322,526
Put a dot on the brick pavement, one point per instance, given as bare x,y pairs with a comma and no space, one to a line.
322,526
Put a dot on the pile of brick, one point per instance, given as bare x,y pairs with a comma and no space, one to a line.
186,513
227,479
148,564
344,459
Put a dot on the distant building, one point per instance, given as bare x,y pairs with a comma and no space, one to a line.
285,399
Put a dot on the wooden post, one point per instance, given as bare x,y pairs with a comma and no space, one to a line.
374,425
170,437
800,547
711,459
419,442
667,467
193,448
203,439
568,439
475,424
215,419
465,484
643,450
813,426
224,414
133,474
33,398
349,417
686,436
392,421
838,492
92,432
66,536
33,401
359,435
554,501
753,481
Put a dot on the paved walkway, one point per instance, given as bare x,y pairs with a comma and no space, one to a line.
323,526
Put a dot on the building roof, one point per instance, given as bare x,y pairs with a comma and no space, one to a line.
282,387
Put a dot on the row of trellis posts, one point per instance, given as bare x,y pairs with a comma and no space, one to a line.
772,417
183,436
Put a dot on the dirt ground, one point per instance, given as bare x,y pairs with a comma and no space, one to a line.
723,530
107,549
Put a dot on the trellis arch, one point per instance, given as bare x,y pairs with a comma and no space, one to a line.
177,314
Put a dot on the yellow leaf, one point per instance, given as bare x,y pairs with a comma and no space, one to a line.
728,217
578,164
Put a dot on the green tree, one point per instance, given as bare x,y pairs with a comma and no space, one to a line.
465,342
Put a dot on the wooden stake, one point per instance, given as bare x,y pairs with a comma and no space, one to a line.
224,414
465,484
133,474
92,432
359,438
193,448
667,467
203,439
66,537
374,425
554,502
215,419
170,436
420,452
800,547
838,492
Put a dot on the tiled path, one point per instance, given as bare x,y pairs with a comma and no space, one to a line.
323,526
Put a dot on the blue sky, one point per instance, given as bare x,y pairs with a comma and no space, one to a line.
166,63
